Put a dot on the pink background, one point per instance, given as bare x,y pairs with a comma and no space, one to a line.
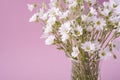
24,56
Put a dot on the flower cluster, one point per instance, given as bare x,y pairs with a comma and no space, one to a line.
80,27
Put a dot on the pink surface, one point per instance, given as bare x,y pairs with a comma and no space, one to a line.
23,55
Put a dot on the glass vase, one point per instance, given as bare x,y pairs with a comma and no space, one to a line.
86,69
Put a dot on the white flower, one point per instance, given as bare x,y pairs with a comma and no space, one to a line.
119,29
54,11
64,30
117,10
75,52
50,40
91,1
53,3
105,12
93,11
64,37
44,16
88,46
51,20
31,6
104,54
106,4
72,5
64,15
117,2
116,43
78,31
87,19
70,1
41,12
89,28
48,29
100,23
34,18
84,18
110,5
114,18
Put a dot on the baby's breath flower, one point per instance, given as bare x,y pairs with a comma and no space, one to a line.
51,20
31,6
34,18
88,46
64,30
100,23
54,11
104,54
78,31
48,29
84,18
93,11
64,14
75,52
50,40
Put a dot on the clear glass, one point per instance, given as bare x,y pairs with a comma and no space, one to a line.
86,69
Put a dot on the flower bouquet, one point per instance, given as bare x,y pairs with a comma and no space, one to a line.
85,30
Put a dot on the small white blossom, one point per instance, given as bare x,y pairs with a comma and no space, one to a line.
50,40
105,12
110,5
44,16
89,28
104,54
74,4
119,29
64,14
117,10
75,52
114,18
71,3
53,3
31,7
78,31
64,37
51,20
54,11
117,2
84,18
87,19
34,18
88,46
116,43
93,11
48,29
91,1
100,23
64,30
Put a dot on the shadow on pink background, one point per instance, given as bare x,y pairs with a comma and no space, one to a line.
24,56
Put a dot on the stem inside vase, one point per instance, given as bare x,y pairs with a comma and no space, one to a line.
86,70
